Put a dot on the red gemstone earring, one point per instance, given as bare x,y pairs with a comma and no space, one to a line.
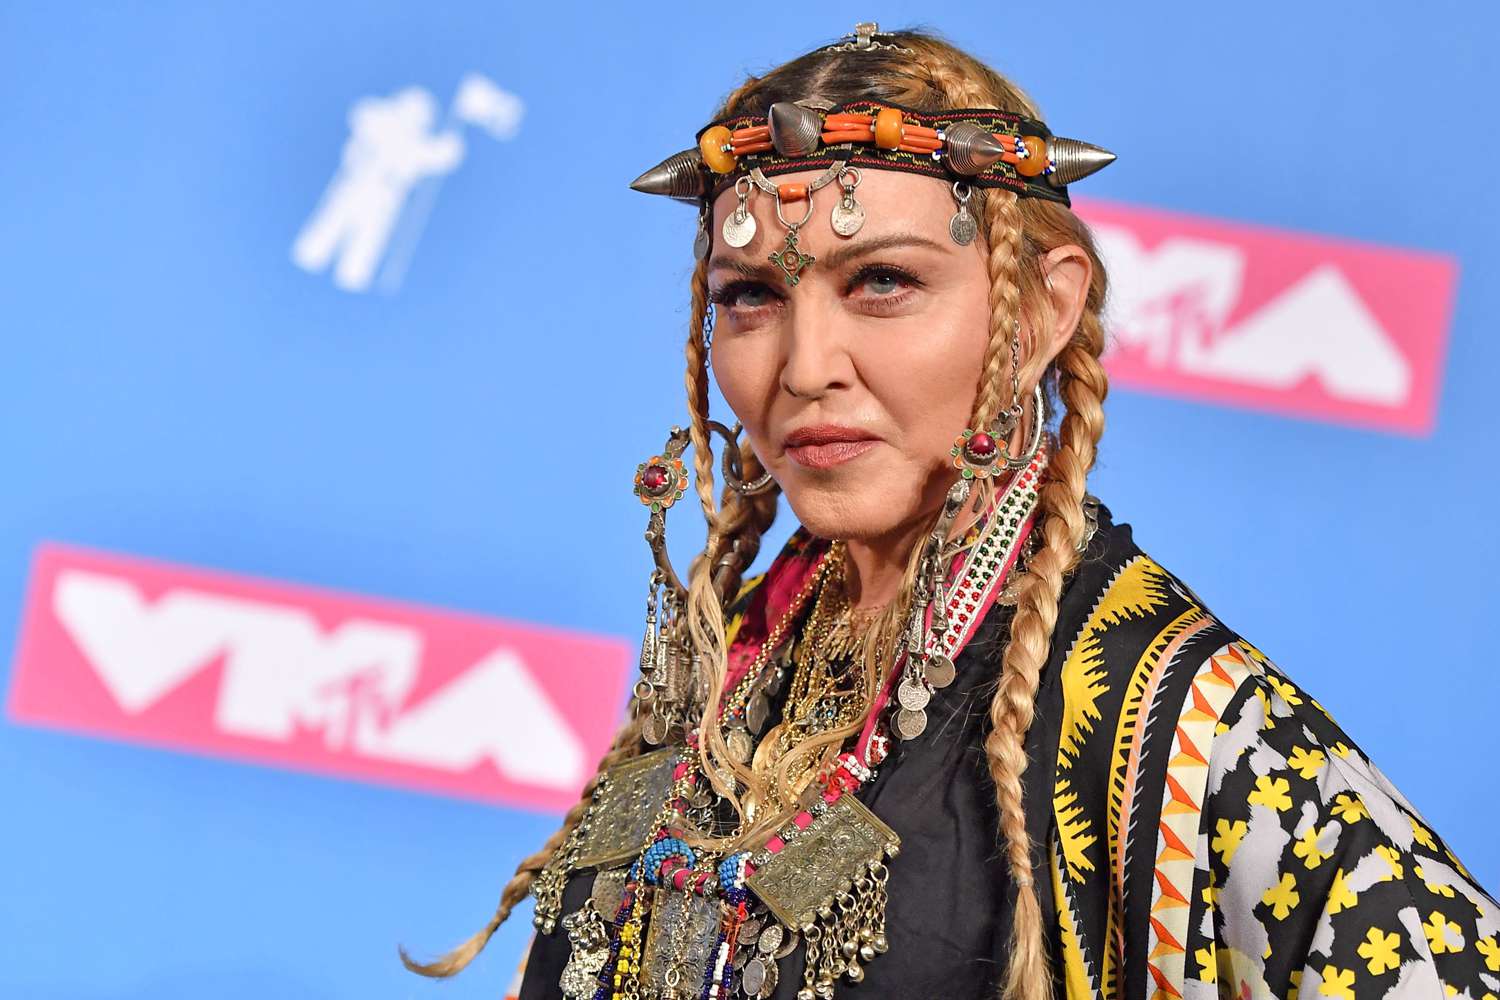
980,454
660,481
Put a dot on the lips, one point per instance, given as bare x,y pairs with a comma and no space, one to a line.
827,445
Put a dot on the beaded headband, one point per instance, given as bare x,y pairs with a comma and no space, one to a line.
971,147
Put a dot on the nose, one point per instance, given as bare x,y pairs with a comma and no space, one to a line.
817,359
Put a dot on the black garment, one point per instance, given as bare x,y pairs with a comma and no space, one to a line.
946,885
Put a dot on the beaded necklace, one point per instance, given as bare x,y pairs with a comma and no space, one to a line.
682,927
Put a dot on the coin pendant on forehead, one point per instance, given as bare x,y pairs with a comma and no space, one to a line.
739,228
940,670
757,712
962,227
848,215
913,695
655,730
908,724
700,242
770,939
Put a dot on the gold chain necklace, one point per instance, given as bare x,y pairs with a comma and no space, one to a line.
827,686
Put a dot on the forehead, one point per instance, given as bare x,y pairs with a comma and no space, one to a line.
894,202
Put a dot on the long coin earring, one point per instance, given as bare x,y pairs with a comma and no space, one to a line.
739,225
923,672
660,482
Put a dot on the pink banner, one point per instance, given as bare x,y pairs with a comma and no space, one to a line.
349,686
1329,329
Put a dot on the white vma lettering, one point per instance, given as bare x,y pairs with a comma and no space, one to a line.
283,673
1171,307
464,723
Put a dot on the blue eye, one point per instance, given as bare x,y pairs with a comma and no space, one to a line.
883,278
743,295
751,297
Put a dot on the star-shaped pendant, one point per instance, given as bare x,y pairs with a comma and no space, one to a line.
790,259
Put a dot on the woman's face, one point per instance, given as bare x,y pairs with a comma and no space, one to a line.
853,384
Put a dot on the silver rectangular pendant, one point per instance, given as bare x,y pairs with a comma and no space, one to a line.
622,817
822,861
679,943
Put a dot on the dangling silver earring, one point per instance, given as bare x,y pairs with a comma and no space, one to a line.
1016,411
702,241
663,689
708,335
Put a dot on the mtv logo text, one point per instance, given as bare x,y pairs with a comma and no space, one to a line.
295,677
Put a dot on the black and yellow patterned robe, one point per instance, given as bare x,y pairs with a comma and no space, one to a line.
1212,832
1202,828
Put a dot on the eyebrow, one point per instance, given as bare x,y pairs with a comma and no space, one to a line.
834,259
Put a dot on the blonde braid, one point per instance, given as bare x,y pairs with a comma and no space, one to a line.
1003,223
627,744
1082,386
742,522
963,82
696,380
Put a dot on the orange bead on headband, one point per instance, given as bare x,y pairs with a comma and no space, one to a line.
972,147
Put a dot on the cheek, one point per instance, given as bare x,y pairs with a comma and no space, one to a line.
926,378
744,369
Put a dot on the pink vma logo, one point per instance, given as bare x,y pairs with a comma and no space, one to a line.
1320,328
315,681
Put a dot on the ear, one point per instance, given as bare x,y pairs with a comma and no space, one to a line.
1066,271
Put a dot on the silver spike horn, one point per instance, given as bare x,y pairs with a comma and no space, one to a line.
679,176
1074,159
969,148
794,129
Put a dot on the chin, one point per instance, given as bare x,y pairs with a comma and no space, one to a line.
863,511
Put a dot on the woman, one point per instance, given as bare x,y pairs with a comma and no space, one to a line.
963,738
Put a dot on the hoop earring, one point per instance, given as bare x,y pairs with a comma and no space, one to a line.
733,463
979,454
982,454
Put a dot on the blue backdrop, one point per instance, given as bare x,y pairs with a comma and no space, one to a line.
176,385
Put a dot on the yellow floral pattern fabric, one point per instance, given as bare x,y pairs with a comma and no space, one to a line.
1216,834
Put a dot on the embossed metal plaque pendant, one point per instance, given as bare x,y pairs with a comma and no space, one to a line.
680,942
822,861
625,808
